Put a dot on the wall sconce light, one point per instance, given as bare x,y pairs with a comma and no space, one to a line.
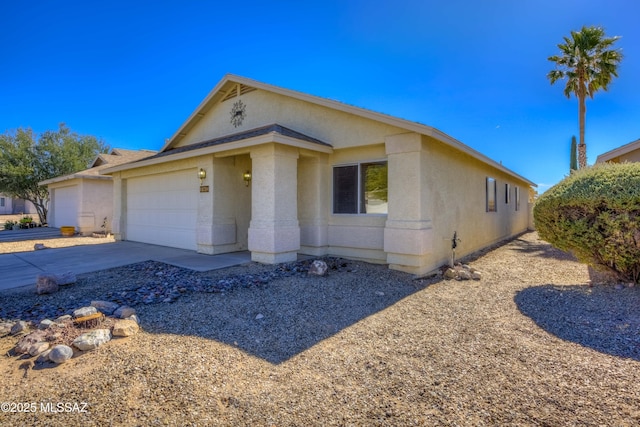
247,178
202,174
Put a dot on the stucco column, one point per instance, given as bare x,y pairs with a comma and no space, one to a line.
119,206
274,234
408,233
313,188
204,220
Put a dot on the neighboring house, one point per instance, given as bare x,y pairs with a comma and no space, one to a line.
627,153
13,206
283,173
84,199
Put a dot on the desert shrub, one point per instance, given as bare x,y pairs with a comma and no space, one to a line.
595,214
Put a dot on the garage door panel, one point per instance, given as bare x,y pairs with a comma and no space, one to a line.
66,206
162,209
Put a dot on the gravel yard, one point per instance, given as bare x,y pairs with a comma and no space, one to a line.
530,344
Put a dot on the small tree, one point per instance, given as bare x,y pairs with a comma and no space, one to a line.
573,163
27,159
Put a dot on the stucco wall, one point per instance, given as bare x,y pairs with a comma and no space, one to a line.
263,108
455,191
96,204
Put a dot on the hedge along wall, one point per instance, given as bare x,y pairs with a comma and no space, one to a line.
595,214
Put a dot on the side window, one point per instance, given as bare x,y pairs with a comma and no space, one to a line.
360,188
517,198
507,193
345,189
491,195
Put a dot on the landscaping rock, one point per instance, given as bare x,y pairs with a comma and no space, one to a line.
5,329
134,318
18,327
67,278
464,275
318,268
450,273
46,284
105,307
92,340
45,324
63,318
125,328
39,247
476,275
84,311
43,357
24,345
60,353
124,312
38,348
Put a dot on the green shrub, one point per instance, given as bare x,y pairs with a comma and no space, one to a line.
595,214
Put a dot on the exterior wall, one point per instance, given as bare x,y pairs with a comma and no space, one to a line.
7,209
93,202
16,206
455,191
96,204
264,108
359,236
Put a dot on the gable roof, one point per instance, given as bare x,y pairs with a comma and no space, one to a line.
617,152
103,161
231,83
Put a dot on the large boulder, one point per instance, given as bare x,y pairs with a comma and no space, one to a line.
60,353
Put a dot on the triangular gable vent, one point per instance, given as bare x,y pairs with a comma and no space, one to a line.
238,90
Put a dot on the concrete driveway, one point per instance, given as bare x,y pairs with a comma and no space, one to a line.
21,269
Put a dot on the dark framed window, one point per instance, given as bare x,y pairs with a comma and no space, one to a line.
2,202
507,193
492,206
517,198
360,188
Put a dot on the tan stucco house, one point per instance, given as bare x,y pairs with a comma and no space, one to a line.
83,199
627,153
280,173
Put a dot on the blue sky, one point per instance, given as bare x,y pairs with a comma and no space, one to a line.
131,72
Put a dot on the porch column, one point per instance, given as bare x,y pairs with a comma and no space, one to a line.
118,221
274,233
313,187
408,234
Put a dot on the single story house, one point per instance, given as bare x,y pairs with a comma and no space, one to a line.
280,173
627,153
12,206
84,199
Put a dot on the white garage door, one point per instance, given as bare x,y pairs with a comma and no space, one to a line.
162,209
65,206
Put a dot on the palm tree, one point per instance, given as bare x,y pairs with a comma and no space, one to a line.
589,63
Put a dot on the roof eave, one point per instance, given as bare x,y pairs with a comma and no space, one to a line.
272,137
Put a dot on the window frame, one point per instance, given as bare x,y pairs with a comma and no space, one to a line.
517,191
360,193
2,202
507,193
491,181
